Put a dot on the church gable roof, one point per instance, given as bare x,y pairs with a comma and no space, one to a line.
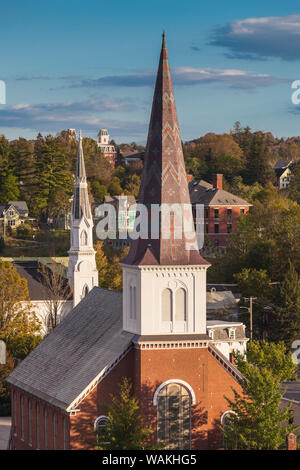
78,350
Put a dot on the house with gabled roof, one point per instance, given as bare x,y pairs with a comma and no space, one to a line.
221,209
15,213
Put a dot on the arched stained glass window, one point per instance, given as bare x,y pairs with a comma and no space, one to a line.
174,417
167,305
180,305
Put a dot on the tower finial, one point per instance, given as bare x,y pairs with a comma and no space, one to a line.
164,39
80,136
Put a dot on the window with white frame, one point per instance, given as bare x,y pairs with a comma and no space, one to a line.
99,425
132,302
83,238
231,333
174,417
167,305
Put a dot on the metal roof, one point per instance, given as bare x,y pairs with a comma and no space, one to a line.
76,352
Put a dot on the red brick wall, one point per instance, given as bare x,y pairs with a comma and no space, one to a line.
24,444
222,220
82,434
204,374
147,369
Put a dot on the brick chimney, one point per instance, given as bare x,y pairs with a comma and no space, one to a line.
218,181
291,442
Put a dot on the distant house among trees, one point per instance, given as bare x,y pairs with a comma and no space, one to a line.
15,213
283,173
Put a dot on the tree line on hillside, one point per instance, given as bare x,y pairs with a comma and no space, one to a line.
41,172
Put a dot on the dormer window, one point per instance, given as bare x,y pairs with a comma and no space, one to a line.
211,334
231,333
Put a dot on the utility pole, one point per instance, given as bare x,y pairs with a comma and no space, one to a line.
250,310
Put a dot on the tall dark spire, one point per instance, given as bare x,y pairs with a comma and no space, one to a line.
81,205
164,178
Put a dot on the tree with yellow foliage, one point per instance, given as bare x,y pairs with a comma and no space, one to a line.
19,325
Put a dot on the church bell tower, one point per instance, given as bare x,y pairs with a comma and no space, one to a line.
164,278
82,271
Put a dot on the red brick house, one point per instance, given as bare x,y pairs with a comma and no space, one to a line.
221,209
154,332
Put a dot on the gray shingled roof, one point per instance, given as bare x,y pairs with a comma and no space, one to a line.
204,193
86,342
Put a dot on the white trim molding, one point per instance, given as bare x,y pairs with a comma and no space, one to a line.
176,381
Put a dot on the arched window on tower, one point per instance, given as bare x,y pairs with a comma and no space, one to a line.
174,416
85,291
132,302
167,305
180,305
83,238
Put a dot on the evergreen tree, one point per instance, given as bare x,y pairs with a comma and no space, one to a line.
125,429
256,421
287,315
258,166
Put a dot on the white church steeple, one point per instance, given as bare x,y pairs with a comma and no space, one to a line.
82,271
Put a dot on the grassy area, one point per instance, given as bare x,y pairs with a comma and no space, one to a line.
46,243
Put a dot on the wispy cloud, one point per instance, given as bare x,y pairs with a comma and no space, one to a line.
234,78
260,38
53,117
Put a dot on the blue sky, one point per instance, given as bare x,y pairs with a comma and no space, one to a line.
92,64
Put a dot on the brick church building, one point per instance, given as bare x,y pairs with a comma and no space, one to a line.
154,332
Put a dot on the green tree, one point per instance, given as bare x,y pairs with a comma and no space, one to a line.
294,187
125,429
9,188
287,311
19,325
257,421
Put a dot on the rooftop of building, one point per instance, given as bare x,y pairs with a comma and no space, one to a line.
205,193
78,351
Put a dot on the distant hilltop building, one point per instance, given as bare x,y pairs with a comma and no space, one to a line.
109,151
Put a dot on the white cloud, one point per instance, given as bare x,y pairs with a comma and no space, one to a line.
259,38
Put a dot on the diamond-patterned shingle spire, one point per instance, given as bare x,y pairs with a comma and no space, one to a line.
164,178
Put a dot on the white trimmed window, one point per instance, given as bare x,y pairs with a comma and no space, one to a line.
174,416
83,238
132,302
180,305
167,305
231,333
